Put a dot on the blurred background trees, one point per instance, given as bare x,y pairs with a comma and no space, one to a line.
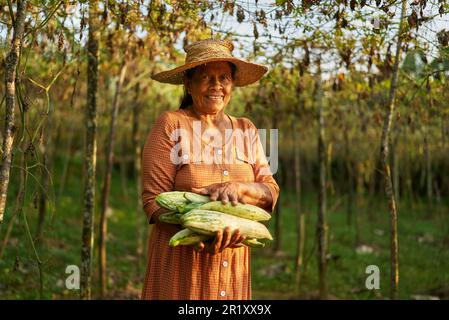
77,135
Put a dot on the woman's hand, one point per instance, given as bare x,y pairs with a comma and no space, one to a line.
229,191
223,239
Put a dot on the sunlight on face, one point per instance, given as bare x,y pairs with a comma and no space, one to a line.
211,87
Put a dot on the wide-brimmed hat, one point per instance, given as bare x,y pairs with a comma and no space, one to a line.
210,50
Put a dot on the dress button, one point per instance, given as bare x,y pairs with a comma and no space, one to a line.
185,157
220,152
225,263
222,293
225,172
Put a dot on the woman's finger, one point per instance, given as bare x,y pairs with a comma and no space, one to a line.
234,199
226,238
224,197
200,190
234,237
216,244
214,194
241,239
199,246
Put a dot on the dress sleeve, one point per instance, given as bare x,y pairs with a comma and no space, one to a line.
261,167
158,171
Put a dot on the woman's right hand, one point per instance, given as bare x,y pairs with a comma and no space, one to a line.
223,239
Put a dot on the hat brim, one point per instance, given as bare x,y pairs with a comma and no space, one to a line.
246,73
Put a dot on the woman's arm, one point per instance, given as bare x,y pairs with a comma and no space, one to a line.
158,171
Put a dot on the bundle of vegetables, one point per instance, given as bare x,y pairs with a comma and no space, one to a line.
202,218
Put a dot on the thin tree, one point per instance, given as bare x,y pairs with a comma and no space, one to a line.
108,174
428,154
90,152
299,214
11,63
384,155
321,222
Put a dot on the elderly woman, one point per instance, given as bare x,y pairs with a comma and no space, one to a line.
219,269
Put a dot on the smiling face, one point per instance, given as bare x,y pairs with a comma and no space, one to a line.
211,87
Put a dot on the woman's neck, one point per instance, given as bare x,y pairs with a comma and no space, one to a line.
216,118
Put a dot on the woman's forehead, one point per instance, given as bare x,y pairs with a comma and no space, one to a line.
214,66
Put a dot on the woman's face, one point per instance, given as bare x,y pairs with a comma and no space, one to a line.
211,87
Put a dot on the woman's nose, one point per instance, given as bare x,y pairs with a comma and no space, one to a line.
214,81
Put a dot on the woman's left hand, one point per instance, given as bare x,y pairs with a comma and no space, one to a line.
229,191
223,239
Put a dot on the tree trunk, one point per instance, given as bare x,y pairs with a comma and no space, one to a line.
395,165
359,203
90,155
137,169
300,224
17,210
277,210
408,173
429,183
322,228
123,168
349,178
11,62
384,154
107,179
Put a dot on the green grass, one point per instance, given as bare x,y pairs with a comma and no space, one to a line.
423,266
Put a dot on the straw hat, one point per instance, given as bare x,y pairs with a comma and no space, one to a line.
205,51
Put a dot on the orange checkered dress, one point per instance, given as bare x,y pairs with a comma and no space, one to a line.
181,273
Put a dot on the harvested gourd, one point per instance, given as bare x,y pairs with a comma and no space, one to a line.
208,222
180,201
247,211
201,218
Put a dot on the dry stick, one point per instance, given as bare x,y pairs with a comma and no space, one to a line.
71,133
45,146
11,63
28,231
46,20
137,169
384,154
300,224
322,228
90,155
107,178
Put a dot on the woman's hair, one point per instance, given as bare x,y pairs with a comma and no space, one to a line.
187,98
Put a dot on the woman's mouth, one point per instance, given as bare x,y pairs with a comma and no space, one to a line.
215,97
